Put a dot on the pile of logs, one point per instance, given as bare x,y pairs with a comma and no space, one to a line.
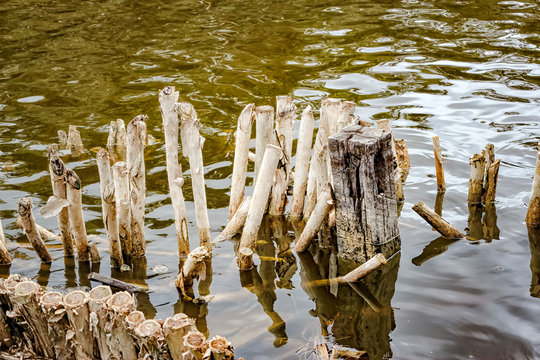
95,325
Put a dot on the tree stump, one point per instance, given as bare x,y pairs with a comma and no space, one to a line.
364,186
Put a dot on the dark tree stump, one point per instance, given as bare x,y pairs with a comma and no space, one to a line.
366,209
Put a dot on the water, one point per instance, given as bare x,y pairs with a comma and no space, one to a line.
466,71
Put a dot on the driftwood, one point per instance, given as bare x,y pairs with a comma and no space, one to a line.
113,282
533,211
372,264
123,206
76,217
438,164
318,169
58,170
476,181
29,225
441,225
136,140
5,258
243,134
168,98
264,123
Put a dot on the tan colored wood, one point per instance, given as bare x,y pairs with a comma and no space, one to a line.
194,268
78,314
62,140
476,181
76,216
51,304
243,135
74,141
371,265
319,214
441,225
264,123
174,329
5,257
219,348
168,99
404,161
120,340
384,124
192,148
94,253
533,211
58,173
123,206
30,230
492,175
195,341
151,340
97,297
437,152
245,258
318,175
345,114
45,234
235,225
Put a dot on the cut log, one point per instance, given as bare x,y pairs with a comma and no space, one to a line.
492,175
78,314
438,164
345,115
134,319
384,124
51,303
168,99
489,154
58,173
245,258
264,122
151,341
74,141
235,225
97,297
372,264
366,206
219,348
76,217
136,139
5,258
62,139
109,207
195,342
441,225
123,206
194,268
30,230
303,151
174,329
113,282
476,181
318,174
192,148
533,211
323,207
330,113
94,253
243,134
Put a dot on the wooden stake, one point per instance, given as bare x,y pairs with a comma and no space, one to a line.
441,225
192,149
109,207
134,319
196,344
243,134
245,258
168,99
303,150
29,225
404,161
123,206
346,111
74,196
219,348
174,329
438,164
76,305
97,297
492,174
194,268
533,212
264,121
384,124
151,340
74,141
235,225
136,139
476,181
318,173
120,341
323,207
58,170
330,113
51,303
372,264
94,253
62,140
5,258
260,197
285,112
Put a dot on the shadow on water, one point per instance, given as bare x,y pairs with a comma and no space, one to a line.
433,249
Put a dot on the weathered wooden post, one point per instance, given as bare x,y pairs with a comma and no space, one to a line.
366,209
58,170
30,229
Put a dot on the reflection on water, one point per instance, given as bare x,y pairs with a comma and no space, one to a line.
534,244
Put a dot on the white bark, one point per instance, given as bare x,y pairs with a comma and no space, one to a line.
29,224
235,225
57,169
372,264
174,329
264,122
476,181
323,207
76,305
5,258
78,227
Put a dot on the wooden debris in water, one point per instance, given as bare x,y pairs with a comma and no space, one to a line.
118,284
30,229
5,258
123,206
235,225
438,164
76,217
174,329
476,181
384,124
245,258
58,175
74,141
371,265
136,139
168,99
121,342
264,134
441,225
319,214
533,211
194,268
192,143
243,135
404,162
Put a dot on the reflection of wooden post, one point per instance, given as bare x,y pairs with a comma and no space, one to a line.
474,222
533,212
534,245
366,212
489,222
29,224
438,164
434,248
264,122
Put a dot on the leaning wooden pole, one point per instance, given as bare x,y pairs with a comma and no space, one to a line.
264,123
121,186
533,212
168,99
323,207
192,143
243,134
78,227
492,176
58,174
303,150
136,140
30,229
441,225
109,207
438,164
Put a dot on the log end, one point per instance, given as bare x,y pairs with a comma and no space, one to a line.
121,302
100,293
148,329
245,258
26,288
51,299
134,319
176,322
75,299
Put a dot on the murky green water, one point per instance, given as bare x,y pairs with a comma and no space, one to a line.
464,70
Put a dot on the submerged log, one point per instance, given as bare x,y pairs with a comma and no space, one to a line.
76,216
366,206
441,225
533,211
29,225
438,164
168,98
58,175
5,258
264,122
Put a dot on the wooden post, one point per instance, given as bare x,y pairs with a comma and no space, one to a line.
235,225
346,111
168,98
194,268
476,181
174,329
441,225
264,122
404,161
318,170
285,111
492,175
74,196
319,214
330,113
533,212
243,134
136,140
51,303
109,207
5,258
29,224
196,344
151,341
74,141
97,297
366,207
303,150
120,341
384,124
192,149
219,348
76,305
260,197
58,170
123,206
438,164
121,139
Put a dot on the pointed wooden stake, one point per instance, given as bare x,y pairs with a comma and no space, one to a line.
78,227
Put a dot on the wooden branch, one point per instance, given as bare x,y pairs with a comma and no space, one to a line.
78,227
168,98
123,206
136,139
492,175
404,161
533,211
243,135
113,282
476,181
58,173
372,264
264,122
45,234
323,207
192,149
235,225
438,164
174,329
194,268
303,150
441,225
109,207
30,230
5,258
